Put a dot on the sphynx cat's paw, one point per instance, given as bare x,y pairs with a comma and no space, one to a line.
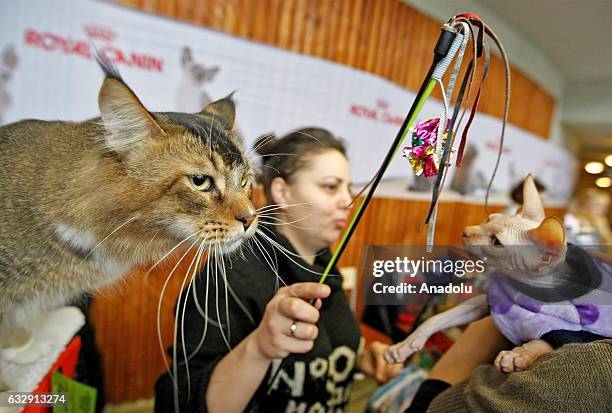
522,357
399,352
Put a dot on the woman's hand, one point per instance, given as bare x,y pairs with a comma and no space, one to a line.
274,337
372,363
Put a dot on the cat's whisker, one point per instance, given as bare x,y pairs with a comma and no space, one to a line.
283,248
271,167
199,128
217,252
249,246
307,134
168,254
262,208
175,335
277,220
276,267
109,235
271,213
203,313
282,223
210,134
195,271
277,224
267,155
266,214
151,240
264,140
224,276
265,255
159,312
274,207
272,267
229,257
252,243
287,253
241,249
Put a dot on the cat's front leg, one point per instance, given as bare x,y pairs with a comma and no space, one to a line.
466,312
22,347
10,337
399,352
522,357
16,337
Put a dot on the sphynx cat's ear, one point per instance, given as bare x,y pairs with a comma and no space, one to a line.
532,208
549,236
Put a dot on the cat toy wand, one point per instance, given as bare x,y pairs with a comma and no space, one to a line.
447,45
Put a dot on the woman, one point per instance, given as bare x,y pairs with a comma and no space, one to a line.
586,221
306,180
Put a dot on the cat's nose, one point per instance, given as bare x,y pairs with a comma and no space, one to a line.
247,220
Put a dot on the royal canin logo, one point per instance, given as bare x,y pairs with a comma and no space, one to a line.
53,42
381,103
379,113
551,163
98,32
494,146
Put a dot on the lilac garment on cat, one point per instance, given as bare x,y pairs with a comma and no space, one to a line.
521,317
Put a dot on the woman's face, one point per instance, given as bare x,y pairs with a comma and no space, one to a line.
322,191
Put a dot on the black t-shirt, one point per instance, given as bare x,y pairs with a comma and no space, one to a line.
317,381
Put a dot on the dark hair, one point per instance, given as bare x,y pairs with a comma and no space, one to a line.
283,157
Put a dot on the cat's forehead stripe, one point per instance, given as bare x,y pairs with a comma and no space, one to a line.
198,126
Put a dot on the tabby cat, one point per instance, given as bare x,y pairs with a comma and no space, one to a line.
84,202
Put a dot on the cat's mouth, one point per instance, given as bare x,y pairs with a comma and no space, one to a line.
233,240
231,245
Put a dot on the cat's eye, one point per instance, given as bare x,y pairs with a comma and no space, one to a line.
202,182
496,241
245,181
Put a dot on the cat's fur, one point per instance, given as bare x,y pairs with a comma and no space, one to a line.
533,266
191,94
84,202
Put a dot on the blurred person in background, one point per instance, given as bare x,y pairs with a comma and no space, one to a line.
587,221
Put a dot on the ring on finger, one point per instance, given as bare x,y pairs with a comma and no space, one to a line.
293,328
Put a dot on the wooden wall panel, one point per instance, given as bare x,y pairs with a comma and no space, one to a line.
384,37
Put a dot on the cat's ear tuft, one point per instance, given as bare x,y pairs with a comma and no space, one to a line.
223,110
549,236
532,208
127,121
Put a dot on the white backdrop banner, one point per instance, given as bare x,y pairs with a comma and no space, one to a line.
47,71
